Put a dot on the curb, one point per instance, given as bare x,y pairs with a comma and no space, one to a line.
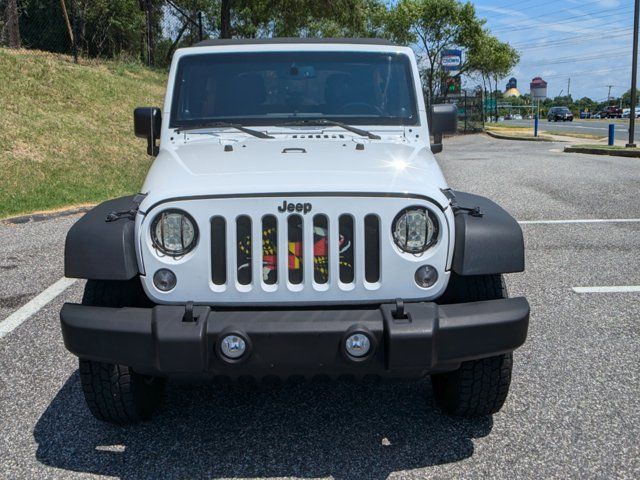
522,139
602,151
39,217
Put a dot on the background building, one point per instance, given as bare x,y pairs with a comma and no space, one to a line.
512,88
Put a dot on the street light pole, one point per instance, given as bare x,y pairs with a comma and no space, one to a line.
634,74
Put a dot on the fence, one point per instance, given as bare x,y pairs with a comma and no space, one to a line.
149,30
471,115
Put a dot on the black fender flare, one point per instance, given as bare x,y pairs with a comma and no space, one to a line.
101,245
487,239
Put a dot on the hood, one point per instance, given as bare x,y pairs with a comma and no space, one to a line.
292,164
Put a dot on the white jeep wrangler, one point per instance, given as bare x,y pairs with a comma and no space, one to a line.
294,223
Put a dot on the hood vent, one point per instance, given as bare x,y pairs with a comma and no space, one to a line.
320,136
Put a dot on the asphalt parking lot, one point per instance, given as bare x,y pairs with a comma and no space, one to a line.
573,410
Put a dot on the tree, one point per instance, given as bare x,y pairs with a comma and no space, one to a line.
297,18
585,103
103,27
13,27
491,59
626,98
435,25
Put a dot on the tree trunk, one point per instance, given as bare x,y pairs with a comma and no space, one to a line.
13,26
225,19
150,39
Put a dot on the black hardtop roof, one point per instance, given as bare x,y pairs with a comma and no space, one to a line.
220,42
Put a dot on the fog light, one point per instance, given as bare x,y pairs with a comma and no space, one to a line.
426,276
233,346
164,280
357,345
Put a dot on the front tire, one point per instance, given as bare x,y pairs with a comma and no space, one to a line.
116,393
478,387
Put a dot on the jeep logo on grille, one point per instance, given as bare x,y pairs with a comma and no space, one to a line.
295,207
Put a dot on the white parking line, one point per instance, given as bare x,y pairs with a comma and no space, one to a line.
611,289
23,313
582,220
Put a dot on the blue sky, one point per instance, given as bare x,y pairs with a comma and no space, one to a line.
589,41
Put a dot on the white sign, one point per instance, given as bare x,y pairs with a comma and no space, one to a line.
451,61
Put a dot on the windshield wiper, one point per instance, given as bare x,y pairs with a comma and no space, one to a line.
198,126
321,121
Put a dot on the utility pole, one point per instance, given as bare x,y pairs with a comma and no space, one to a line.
569,87
609,94
634,75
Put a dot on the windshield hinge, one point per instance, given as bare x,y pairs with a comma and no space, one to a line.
471,211
130,214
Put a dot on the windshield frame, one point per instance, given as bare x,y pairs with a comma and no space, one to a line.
276,121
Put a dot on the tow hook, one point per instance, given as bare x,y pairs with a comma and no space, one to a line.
188,313
399,313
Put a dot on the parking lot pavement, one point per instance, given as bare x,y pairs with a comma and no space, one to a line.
572,411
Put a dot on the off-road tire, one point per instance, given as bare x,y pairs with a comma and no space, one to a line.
474,289
479,387
115,294
116,393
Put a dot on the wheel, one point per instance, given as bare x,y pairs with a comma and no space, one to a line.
115,294
478,387
116,393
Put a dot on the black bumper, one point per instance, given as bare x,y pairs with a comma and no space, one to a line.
296,342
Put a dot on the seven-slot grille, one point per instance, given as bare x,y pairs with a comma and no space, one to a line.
254,250
294,249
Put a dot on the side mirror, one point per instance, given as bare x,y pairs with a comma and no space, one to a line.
147,122
443,118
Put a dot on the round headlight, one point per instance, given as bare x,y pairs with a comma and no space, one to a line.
174,232
415,229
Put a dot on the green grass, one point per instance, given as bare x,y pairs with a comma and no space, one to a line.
66,130
562,133
493,126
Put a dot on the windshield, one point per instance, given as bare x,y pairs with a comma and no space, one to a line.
278,87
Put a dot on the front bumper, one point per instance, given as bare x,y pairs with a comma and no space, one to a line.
428,339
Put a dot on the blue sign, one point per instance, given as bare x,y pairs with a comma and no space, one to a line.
451,60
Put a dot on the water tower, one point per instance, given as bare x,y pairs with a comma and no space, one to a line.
538,89
512,88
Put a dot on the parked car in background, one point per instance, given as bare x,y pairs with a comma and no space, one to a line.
612,112
584,114
560,114
517,116
626,112
508,117
597,115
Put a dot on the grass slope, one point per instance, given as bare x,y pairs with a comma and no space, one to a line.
66,130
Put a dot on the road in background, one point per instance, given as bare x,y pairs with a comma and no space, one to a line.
592,127
572,411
